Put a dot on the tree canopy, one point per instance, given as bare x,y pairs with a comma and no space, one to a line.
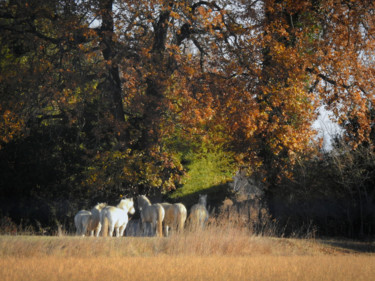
101,95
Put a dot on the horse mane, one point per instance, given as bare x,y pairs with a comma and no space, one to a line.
100,206
145,199
124,204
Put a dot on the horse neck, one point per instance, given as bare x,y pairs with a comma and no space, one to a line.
145,202
239,182
99,206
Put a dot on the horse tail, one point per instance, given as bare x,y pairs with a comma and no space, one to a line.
105,223
160,220
192,218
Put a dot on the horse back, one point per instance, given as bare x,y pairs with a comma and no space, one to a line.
116,215
82,216
181,208
169,212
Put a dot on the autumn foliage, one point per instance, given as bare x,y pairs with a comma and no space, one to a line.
122,84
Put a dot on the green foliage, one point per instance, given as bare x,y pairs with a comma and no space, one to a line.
206,168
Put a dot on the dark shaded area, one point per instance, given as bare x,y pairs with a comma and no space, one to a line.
215,197
334,192
351,246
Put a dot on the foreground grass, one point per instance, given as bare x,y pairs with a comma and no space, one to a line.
189,268
215,254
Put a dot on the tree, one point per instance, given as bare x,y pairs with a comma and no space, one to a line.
343,64
308,53
113,81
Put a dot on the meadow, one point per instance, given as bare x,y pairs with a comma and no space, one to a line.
218,253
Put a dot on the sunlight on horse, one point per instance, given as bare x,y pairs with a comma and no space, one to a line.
95,224
89,220
116,218
151,213
198,214
175,217
81,221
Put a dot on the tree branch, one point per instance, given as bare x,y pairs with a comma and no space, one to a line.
332,82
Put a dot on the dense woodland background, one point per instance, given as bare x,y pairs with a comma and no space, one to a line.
102,98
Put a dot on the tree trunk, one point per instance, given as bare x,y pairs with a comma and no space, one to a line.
113,81
158,73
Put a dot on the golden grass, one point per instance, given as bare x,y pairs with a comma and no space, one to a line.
218,253
201,243
189,268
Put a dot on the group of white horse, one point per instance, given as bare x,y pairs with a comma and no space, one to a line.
105,220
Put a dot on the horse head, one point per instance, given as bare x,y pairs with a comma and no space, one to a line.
143,201
202,199
249,185
130,206
239,180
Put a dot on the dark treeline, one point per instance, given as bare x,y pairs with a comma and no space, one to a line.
332,194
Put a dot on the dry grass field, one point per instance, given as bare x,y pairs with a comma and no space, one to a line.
215,254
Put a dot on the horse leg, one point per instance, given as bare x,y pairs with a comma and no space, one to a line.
166,233
143,228
84,230
180,226
111,229
117,231
153,229
122,230
98,228
79,231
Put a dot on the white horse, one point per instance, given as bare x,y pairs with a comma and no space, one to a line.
89,220
95,224
152,213
198,213
175,217
81,221
116,218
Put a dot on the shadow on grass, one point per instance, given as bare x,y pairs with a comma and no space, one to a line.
351,246
215,196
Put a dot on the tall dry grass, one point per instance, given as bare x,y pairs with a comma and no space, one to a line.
215,240
223,251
